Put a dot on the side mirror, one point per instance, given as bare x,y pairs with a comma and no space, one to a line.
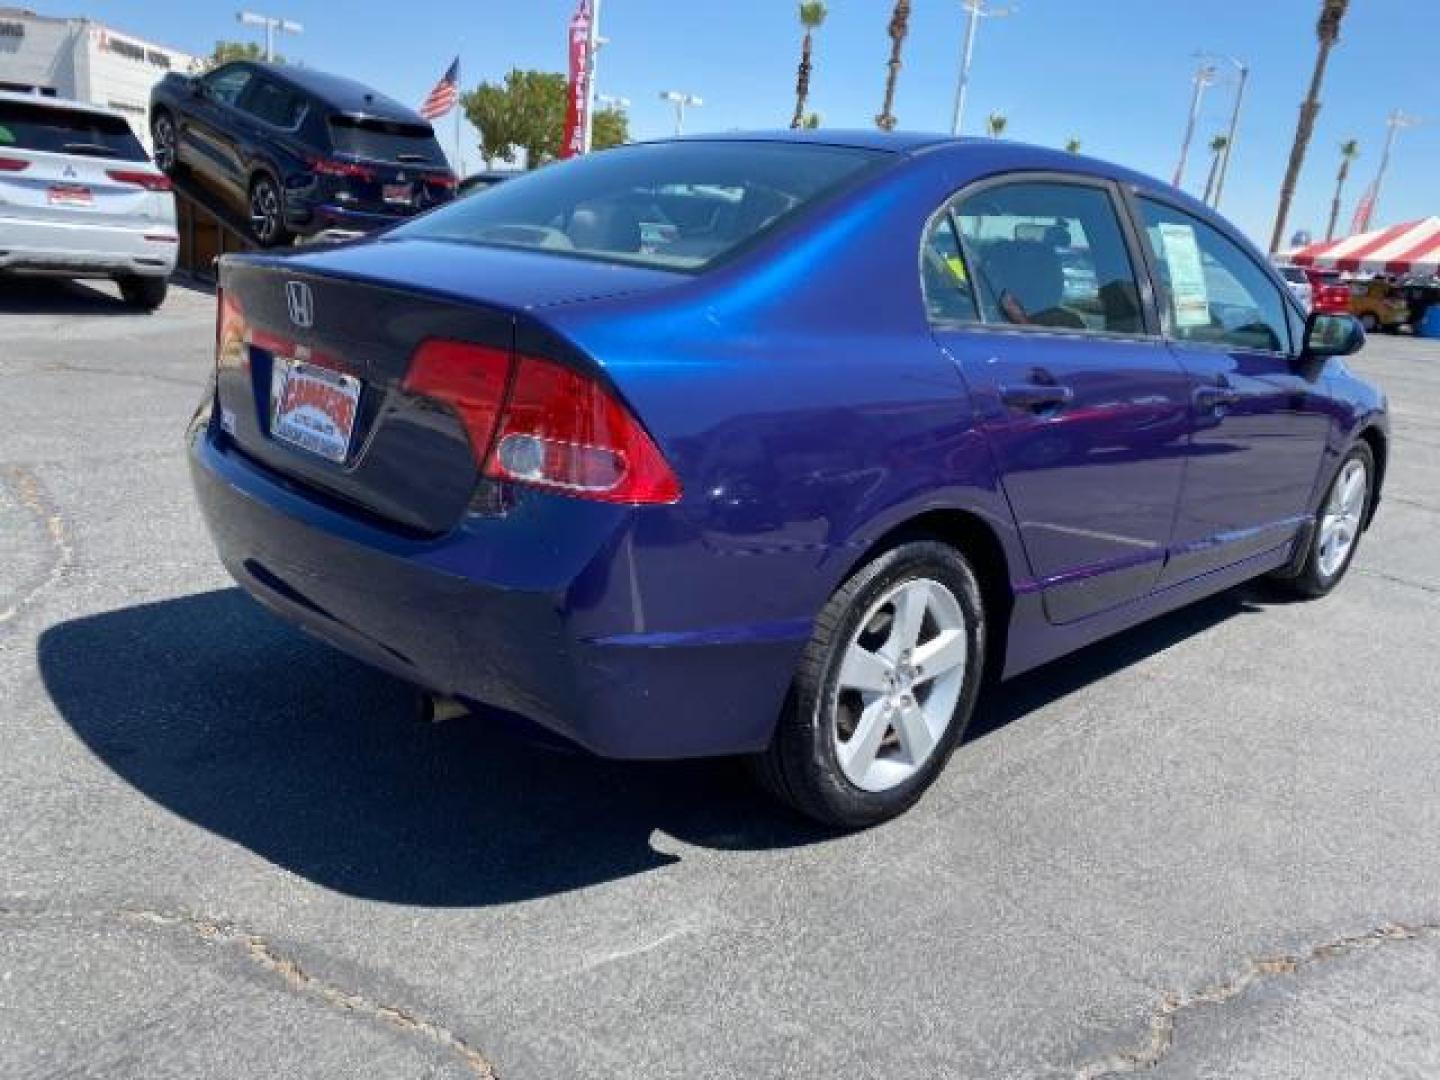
1332,335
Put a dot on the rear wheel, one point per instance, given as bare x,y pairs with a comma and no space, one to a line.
1338,525
165,139
145,293
267,214
884,690
1369,322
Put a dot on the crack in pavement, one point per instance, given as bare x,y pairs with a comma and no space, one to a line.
1161,1035
264,955
32,496
1398,579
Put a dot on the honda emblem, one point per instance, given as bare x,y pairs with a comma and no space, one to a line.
301,302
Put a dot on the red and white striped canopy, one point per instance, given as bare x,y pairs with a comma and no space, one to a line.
1411,248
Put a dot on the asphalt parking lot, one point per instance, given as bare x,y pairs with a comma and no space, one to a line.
1210,847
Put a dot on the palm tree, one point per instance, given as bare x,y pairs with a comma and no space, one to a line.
1327,30
995,124
1217,148
899,27
811,121
1072,145
1349,151
812,15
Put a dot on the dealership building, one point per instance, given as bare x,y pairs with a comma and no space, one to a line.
86,61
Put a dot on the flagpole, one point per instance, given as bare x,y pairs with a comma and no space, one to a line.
459,152
592,47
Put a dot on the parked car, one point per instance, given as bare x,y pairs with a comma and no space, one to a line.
1299,282
1329,293
484,181
787,479
80,199
298,150
1378,306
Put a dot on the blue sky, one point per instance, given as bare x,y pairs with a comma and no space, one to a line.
1113,73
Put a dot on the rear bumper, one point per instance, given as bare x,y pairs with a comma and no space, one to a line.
305,218
85,250
473,615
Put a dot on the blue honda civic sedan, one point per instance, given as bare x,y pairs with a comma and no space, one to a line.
776,445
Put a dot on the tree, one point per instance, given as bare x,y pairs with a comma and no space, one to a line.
527,115
1327,31
226,51
812,16
995,124
899,27
1072,145
1217,149
812,121
1349,151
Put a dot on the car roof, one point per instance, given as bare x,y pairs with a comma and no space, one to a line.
341,93
859,138
60,103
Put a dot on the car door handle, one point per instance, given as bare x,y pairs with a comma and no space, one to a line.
1208,398
1036,397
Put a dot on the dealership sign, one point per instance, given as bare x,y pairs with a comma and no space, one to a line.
577,104
132,51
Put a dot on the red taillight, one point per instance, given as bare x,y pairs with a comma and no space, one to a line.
11,164
335,167
469,378
150,181
231,349
555,428
447,180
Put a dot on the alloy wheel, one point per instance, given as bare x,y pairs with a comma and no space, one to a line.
899,681
164,134
265,211
1340,523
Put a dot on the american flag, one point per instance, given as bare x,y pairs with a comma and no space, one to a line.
1364,210
447,91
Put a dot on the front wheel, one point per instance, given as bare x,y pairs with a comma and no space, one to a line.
1369,322
1338,525
884,689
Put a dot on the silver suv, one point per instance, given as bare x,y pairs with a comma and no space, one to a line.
79,198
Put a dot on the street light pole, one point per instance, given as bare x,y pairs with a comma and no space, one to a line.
975,11
271,23
1234,127
1394,123
680,101
1204,76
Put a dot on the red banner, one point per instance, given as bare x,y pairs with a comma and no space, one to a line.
578,100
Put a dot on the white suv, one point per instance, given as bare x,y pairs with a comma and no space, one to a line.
79,198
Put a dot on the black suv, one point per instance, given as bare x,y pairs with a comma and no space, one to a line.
300,151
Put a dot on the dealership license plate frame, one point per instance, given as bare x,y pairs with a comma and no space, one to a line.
398,194
285,414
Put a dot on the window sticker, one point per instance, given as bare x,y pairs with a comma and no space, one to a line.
1187,274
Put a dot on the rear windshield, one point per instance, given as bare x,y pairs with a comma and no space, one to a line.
674,205
67,131
385,140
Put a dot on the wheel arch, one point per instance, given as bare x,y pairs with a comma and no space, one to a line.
1379,445
975,538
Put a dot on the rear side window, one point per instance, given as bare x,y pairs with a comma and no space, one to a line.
385,140
1215,293
274,104
1050,255
67,131
674,205
949,296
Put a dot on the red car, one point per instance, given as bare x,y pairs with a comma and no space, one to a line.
1328,294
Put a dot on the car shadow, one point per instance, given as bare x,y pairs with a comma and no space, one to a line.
227,717
60,296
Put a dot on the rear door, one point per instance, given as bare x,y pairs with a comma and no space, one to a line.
75,166
1259,417
1032,289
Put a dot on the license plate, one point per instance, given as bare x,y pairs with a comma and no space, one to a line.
313,407
69,195
398,193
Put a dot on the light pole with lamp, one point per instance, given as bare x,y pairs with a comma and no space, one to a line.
681,101
976,10
272,25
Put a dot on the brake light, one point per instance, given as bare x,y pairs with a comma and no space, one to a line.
562,430
10,164
550,427
469,378
231,347
335,167
150,181
445,180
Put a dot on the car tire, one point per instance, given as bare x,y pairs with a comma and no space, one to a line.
862,677
267,212
1338,526
1369,322
165,138
144,293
